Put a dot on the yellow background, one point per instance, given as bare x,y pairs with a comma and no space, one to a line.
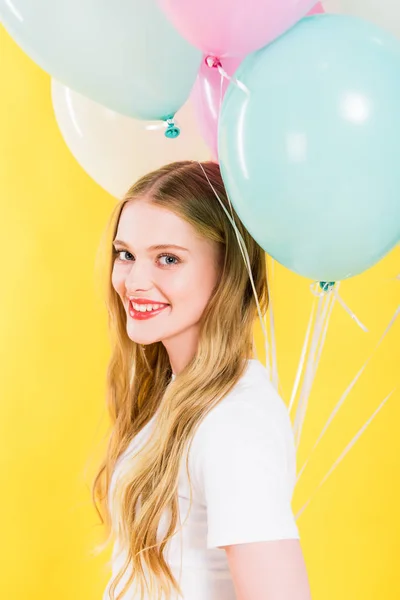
54,353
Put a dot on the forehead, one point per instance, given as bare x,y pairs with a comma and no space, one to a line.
143,224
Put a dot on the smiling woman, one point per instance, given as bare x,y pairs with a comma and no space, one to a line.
185,284
199,435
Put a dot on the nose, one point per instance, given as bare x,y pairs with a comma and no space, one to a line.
138,278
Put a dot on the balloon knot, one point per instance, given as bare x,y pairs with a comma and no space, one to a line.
172,131
212,61
326,286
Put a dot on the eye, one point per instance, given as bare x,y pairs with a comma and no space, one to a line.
118,252
165,255
169,264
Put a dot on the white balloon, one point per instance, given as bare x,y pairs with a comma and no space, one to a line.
116,150
384,13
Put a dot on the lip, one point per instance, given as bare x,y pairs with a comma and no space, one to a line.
141,316
144,301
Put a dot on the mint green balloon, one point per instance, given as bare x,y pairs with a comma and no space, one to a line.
311,156
123,54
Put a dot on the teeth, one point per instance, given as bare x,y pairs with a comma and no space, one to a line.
146,307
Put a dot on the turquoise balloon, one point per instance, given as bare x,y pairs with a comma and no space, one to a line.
125,55
311,155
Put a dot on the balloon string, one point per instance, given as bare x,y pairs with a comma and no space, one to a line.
221,83
245,255
305,346
237,82
348,390
343,454
307,381
349,311
270,352
302,357
162,124
317,343
213,62
273,353
155,126
332,302
316,290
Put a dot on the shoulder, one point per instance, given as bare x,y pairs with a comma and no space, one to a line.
243,464
251,424
253,406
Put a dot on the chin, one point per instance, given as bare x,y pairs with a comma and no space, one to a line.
142,340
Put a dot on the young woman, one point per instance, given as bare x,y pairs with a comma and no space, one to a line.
197,482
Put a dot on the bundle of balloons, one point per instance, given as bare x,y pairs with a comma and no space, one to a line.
299,107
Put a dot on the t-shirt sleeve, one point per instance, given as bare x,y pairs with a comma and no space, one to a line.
246,470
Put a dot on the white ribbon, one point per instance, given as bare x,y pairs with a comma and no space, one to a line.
214,63
343,454
311,366
348,390
272,353
158,125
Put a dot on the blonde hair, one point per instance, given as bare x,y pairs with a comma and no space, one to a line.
138,380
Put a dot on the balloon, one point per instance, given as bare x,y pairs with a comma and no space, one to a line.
207,95
385,13
209,91
233,27
116,150
125,55
310,156
317,10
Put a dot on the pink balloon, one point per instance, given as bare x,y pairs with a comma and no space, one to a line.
233,27
207,95
317,10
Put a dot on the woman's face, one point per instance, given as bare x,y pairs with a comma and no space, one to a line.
183,278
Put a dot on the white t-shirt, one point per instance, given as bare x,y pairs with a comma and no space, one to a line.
243,469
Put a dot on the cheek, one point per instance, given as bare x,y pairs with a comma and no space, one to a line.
118,281
114,279
192,290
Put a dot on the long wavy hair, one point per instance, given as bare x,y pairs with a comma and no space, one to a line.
138,379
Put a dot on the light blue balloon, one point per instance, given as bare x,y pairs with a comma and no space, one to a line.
311,156
125,55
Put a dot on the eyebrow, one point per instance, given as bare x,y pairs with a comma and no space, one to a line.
156,247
